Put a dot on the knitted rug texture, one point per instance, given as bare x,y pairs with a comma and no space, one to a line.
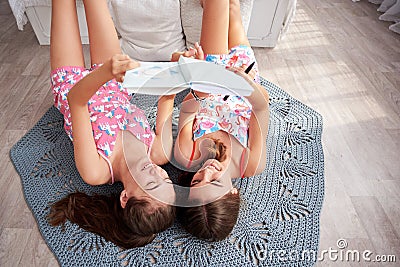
278,223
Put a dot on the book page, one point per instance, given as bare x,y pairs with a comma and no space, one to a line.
155,78
211,78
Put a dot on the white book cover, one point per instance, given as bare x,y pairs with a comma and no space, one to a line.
164,78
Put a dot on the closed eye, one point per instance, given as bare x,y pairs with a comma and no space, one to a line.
152,185
217,183
194,182
169,181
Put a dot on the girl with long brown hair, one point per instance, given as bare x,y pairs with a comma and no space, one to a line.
233,129
112,139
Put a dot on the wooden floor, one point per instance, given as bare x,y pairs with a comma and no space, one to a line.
337,57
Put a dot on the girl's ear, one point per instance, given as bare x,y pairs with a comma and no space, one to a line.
234,191
123,198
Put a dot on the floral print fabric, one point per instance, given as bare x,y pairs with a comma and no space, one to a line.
227,113
109,108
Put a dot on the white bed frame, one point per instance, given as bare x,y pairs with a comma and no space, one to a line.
40,19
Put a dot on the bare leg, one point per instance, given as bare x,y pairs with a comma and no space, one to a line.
214,28
65,39
237,35
103,37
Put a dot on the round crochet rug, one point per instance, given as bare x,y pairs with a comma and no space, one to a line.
278,223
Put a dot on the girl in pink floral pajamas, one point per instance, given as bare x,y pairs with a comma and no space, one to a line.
112,139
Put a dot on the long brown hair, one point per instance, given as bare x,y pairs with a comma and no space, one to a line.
213,221
133,226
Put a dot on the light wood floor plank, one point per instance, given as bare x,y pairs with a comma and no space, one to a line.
30,103
379,228
11,240
37,252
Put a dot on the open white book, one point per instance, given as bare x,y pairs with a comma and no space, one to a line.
165,78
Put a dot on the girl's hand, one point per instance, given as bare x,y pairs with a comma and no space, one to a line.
176,55
241,71
196,52
249,77
120,64
259,98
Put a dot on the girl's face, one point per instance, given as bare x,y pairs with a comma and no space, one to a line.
210,173
211,181
154,182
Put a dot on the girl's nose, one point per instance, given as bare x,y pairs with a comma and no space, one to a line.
207,176
161,171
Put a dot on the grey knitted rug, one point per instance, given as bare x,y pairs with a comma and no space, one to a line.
278,224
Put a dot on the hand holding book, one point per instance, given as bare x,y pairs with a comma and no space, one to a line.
193,52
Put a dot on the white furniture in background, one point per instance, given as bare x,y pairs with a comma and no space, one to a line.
192,16
267,21
40,19
264,20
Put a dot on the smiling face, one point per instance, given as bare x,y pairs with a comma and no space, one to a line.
211,181
151,177
153,183
210,173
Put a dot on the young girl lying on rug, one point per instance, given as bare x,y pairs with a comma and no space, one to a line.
232,128
98,117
